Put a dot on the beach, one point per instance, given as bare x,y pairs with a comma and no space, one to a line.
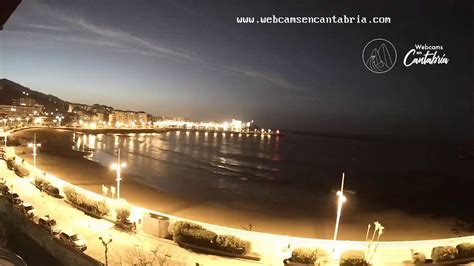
308,218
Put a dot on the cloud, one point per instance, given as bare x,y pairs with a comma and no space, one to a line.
268,77
47,27
90,41
127,39
128,43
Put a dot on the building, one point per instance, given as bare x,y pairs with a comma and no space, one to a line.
21,111
99,117
128,118
27,101
141,117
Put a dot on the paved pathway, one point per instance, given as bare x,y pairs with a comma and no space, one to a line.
124,246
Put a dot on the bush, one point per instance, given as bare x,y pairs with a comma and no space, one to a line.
465,250
99,208
195,234
70,193
303,255
352,258
418,258
39,182
199,237
52,190
232,244
43,184
21,171
192,234
176,228
439,254
123,214
81,200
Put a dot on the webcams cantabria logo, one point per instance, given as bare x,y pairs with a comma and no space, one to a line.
379,55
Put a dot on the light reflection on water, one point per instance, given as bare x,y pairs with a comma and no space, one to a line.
212,161
268,167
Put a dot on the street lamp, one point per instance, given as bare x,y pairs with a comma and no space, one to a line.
5,139
340,201
34,145
118,170
106,246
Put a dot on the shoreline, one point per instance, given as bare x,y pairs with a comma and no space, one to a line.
72,167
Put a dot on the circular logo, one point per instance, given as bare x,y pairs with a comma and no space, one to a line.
379,55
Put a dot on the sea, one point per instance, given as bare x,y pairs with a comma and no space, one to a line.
279,169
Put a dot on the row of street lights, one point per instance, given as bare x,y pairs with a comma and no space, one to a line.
115,166
33,145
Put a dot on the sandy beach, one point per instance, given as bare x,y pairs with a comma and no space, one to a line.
57,157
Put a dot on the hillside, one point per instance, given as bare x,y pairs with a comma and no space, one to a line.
10,90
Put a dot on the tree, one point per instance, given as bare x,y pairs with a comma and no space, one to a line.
123,213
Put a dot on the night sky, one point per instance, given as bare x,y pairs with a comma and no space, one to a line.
191,59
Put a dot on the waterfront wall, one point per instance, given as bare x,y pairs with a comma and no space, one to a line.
65,254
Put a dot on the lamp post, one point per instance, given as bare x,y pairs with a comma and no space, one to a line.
340,201
34,145
118,170
5,139
106,246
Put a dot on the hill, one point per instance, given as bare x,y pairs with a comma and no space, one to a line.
10,90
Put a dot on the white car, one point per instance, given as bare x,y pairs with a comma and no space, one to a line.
27,209
50,225
74,240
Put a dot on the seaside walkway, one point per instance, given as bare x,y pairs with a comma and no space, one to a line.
125,248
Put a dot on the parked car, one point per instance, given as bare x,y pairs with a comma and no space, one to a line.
74,240
4,188
13,198
50,225
27,209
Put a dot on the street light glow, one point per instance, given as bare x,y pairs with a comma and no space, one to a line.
5,138
118,170
340,201
34,145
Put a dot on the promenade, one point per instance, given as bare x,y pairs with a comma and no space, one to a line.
125,248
